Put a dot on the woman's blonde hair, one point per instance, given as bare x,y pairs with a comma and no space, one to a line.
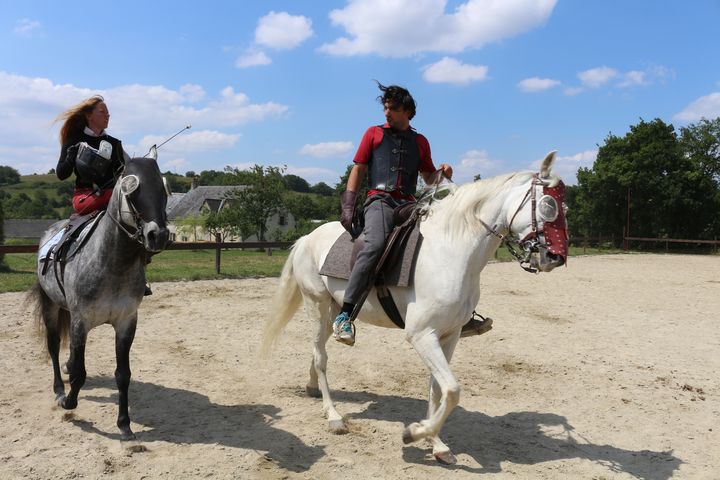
74,117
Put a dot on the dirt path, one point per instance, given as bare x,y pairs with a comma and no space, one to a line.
605,369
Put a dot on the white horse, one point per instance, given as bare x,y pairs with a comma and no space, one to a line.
460,235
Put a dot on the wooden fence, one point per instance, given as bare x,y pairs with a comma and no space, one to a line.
217,246
668,241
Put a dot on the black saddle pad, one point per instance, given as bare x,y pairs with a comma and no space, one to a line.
339,260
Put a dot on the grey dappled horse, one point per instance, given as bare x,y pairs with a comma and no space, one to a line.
104,282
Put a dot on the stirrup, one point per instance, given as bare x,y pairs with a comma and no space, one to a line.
475,326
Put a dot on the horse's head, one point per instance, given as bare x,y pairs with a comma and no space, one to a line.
144,194
537,220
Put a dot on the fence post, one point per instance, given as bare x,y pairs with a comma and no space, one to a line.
217,253
269,251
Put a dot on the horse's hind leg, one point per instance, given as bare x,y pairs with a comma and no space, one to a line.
55,320
76,363
318,384
124,337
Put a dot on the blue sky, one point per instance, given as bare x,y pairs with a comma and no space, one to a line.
498,83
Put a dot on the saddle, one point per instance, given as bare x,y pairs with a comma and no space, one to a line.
396,263
66,242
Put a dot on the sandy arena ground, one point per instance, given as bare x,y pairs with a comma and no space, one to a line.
606,369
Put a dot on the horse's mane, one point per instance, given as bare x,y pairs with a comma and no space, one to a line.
456,213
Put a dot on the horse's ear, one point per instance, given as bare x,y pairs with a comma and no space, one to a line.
547,163
152,153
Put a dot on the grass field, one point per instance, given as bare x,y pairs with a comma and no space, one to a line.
170,266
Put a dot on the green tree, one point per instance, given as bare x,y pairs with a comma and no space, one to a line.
252,207
701,142
342,186
323,189
648,171
221,223
190,225
213,177
8,176
296,184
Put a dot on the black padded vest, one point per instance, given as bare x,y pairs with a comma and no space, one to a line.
395,162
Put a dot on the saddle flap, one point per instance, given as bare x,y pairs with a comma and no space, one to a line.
398,272
69,239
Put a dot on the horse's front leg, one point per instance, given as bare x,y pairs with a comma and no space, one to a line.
441,451
76,363
432,353
124,336
318,384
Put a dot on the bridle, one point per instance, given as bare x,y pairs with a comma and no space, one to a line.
531,243
128,184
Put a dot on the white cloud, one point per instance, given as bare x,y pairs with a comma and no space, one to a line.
567,166
450,70
184,143
402,28
176,165
192,93
474,162
140,116
604,76
253,58
282,31
26,26
536,84
572,91
633,78
327,149
597,77
707,106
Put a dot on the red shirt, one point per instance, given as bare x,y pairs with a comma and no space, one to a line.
372,139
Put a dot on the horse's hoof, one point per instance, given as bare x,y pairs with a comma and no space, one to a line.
67,404
407,436
446,458
60,400
313,392
127,435
337,427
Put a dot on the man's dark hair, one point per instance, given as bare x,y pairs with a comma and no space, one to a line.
397,97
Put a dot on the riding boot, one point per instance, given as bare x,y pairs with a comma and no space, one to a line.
476,327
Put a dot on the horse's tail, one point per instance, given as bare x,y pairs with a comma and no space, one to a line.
45,320
286,302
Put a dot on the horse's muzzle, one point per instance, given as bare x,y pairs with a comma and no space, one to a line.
155,237
545,261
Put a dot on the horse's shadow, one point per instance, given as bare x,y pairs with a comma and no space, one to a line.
517,437
190,417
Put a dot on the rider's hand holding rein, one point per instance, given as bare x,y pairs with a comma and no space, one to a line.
431,178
